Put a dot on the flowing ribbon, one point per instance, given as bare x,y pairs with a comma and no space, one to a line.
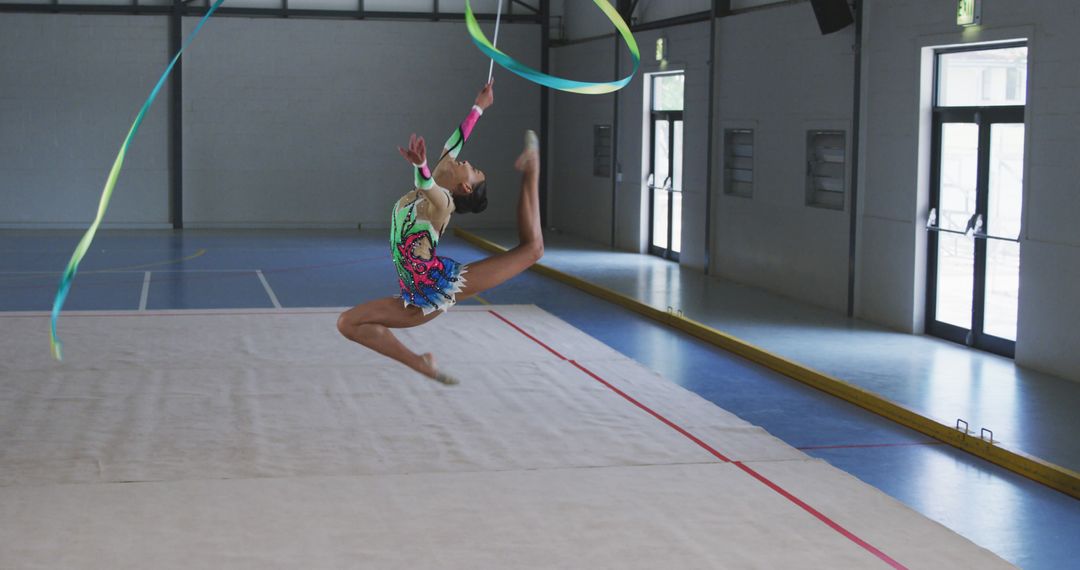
570,85
106,194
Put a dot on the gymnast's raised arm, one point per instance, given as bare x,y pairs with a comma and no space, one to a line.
416,154
454,144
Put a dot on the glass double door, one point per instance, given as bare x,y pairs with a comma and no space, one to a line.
665,184
974,251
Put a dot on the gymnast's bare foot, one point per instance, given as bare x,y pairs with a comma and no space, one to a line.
530,156
432,371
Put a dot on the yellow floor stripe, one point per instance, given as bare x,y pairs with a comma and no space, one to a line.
482,300
1055,476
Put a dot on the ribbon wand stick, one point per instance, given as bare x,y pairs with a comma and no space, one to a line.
498,18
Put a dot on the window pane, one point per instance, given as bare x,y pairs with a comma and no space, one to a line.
959,174
659,218
1002,288
677,158
955,279
1006,180
661,158
668,92
826,157
982,78
739,162
676,221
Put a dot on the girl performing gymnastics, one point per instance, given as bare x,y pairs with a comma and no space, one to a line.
431,284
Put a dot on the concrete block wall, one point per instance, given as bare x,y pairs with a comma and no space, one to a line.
688,47
578,201
70,86
287,123
779,76
892,239
783,85
296,123
773,240
663,9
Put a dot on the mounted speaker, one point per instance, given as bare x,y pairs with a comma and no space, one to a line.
832,15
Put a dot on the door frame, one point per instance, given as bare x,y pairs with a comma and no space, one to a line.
670,117
984,118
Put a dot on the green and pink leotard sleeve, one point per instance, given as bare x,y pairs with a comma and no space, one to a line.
457,140
453,146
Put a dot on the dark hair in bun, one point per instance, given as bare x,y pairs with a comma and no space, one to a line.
472,203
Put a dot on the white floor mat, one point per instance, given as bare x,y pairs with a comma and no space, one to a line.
256,439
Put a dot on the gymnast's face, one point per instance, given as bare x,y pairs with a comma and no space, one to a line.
466,177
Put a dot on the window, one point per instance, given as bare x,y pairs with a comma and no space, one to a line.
739,162
826,167
602,151
982,77
668,92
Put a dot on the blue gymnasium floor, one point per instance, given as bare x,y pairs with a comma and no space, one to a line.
1026,523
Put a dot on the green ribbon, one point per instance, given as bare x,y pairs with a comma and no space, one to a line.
570,85
106,194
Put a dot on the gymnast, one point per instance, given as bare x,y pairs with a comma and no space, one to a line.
431,284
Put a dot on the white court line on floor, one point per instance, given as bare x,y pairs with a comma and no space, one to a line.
145,292
269,291
102,271
212,312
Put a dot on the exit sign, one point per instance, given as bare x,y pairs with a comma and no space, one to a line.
968,13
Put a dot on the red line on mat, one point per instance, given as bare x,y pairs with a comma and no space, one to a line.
534,339
630,399
832,524
666,421
761,478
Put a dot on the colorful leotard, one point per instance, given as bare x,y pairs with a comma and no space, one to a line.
427,280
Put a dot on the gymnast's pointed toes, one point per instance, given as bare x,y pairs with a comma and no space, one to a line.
446,379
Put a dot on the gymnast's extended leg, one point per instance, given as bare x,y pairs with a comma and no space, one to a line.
493,271
369,324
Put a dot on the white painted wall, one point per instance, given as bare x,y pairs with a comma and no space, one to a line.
653,10
287,123
688,47
582,19
577,200
893,249
773,240
70,87
777,74
295,123
750,4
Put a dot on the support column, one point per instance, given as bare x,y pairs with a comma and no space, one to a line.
176,125
625,8
856,117
545,101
